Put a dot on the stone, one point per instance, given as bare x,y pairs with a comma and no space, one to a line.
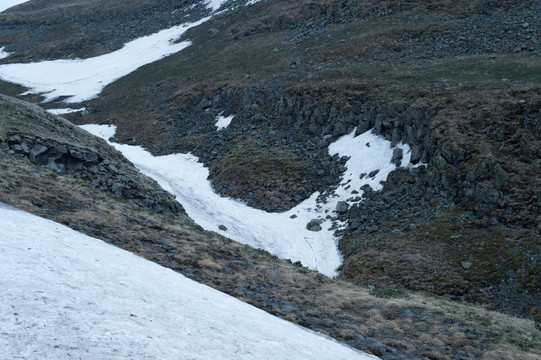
466,265
25,147
18,149
222,227
314,225
76,153
415,154
15,139
397,155
35,152
91,158
372,229
373,173
117,188
342,207
257,118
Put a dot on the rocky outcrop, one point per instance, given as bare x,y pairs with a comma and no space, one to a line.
99,172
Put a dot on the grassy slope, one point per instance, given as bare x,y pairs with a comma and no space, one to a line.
412,323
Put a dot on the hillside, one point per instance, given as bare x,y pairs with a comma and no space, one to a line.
124,306
457,82
389,324
297,75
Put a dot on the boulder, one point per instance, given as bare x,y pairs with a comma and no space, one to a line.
314,225
397,156
342,207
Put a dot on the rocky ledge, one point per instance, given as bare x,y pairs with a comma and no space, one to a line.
99,172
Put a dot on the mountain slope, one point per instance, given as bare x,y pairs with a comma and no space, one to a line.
439,76
468,103
390,324
92,300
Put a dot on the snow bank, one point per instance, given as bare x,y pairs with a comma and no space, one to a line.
83,79
67,295
6,4
64,111
282,234
223,122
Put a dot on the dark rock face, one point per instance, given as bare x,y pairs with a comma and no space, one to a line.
93,168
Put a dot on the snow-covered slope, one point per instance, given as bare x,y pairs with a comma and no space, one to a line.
6,4
68,296
83,79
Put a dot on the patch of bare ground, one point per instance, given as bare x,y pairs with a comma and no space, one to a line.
409,326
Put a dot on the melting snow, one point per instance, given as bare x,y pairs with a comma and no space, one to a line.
66,295
223,122
282,234
3,53
64,111
83,79
6,4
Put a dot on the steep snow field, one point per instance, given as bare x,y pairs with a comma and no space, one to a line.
6,4
69,296
282,234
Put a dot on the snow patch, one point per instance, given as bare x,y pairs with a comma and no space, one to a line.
83,79
64,111
223,122
215,4
67,295
282,234
6,4
3,53
367,153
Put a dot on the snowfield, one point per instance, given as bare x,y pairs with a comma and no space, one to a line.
69,296
83,79
282,234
